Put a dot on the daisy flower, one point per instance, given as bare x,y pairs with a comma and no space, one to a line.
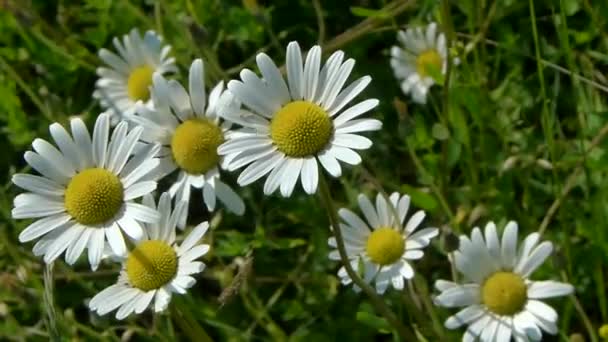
128,76
189,129
422,57
500,300
288,127
84,194
382,247
156,267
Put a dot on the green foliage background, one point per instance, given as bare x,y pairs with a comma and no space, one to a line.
523,129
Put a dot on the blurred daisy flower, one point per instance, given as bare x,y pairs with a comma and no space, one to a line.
156,267
420,61
291,126
85,193
128,76
188,126
500,300
382,247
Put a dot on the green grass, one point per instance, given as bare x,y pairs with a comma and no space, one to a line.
518,135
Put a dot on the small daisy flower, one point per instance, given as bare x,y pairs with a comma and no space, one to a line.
289,127
189,129
500,300
84,194
382,247
422,54
156,267
127,78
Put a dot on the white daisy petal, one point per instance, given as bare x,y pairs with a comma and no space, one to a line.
536,258
310,175
462,295
196,234
330,163
464,316
196,86
548,289
42,226
295,72
509,245
100,140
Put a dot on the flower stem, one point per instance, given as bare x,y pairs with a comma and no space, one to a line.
327,201
49,304
183,317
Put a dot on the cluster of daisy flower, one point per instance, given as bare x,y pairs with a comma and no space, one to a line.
95,192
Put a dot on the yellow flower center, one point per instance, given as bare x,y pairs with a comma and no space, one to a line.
151,265
385,245
93,196
139,81
301,129
504,293
427,61
194,145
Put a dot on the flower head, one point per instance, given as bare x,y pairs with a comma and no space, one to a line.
84,194
190,130
420,60
128,77
383,245
156,267
288,127
500,299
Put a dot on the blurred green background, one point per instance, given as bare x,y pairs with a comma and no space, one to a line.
521,137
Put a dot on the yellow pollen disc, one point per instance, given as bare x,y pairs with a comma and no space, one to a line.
194,145
93,196
151,265
139,81
427,60
504,293
385,246
301,129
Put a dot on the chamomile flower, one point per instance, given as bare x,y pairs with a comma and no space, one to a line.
290,127
500,300
128,75
156,267
422,56
84,194
189,129
383,246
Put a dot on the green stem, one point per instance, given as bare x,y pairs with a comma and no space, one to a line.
327,201
581,311
49,304
183,317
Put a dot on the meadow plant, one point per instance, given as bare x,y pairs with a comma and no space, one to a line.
147,189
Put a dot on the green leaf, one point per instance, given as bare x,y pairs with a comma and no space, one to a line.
440,132
419,198
366,12
373,321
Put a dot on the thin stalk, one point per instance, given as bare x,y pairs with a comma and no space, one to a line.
26,88
328,203
320,21
448,30
581,311
546,121
187,323
49,304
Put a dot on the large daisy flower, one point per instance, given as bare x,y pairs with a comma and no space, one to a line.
84,194
383,245
128,76
422,57
156,267
501,301
189,128
287,129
